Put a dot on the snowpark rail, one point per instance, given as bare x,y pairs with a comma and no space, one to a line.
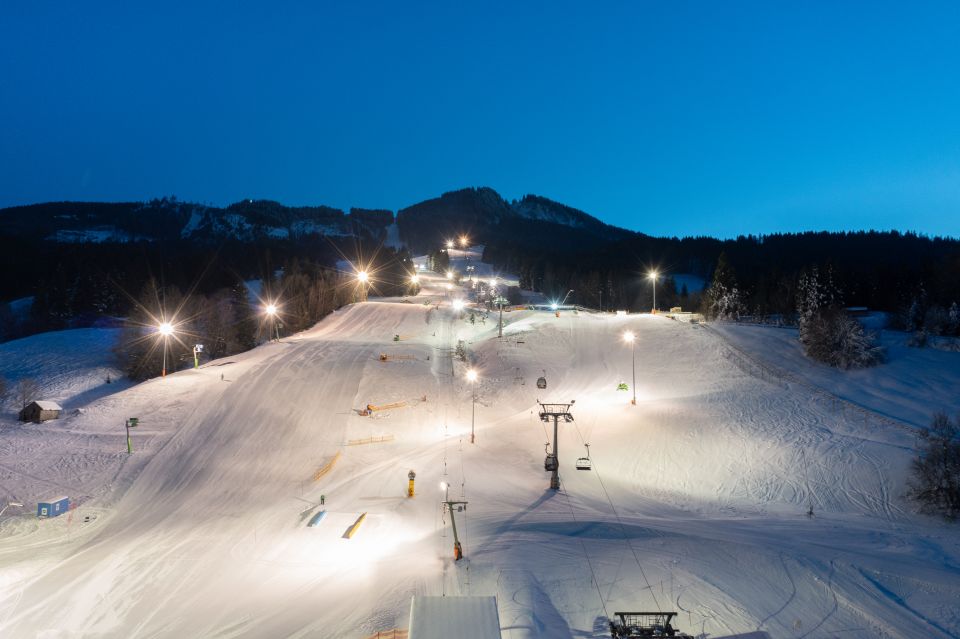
751,365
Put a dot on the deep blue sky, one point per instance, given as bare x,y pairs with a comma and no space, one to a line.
670,118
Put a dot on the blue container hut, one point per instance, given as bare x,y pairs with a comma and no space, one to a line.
53,507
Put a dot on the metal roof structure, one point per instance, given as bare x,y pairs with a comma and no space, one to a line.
460,617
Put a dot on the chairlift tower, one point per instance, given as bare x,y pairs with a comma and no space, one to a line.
556,412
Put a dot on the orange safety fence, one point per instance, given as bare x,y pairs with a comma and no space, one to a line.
326,468
370,440
390,634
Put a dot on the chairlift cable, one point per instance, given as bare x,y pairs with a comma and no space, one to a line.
623,528
586,555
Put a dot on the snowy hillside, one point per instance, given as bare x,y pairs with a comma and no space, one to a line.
695,502
70,367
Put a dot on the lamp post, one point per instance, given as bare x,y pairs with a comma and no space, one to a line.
653,278
472,378
631,339
166,330
363,278
271,310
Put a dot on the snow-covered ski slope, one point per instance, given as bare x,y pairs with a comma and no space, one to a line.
695,503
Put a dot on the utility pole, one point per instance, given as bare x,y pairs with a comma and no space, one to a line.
555,412
457,548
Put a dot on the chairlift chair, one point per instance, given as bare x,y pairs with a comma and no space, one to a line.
541,382
584,463
550,463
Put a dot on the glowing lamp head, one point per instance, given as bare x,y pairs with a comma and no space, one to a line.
449,244
554,306
166,329
653,275
449,275
458,305
363,277
628,337
271,309
463,240
471,375
415,279
493,282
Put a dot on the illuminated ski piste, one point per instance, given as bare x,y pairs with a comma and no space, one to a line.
203,530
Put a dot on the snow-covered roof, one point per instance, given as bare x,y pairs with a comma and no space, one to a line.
461,617
45,405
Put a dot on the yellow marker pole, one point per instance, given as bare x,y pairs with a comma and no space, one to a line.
411,476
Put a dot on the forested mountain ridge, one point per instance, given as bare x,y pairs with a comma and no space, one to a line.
76,258
170,219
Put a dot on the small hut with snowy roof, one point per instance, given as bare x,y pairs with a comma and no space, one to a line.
40,411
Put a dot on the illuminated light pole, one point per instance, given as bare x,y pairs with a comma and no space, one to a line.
414,279
472,378
653,278
166,330
197,349
410,477
271,310
449,244
363,278
463,241
458,306
631,339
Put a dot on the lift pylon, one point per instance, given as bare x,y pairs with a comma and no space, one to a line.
556,412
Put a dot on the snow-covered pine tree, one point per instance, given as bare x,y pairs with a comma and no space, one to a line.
722,300
815,293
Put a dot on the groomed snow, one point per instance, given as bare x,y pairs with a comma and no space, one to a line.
696,501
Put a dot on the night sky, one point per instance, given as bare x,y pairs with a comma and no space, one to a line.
672,118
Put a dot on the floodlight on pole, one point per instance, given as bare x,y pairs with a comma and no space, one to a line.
449,275
363,278
464,240
472,378
653,278
166,330
414,279
449,244
272,310
631,339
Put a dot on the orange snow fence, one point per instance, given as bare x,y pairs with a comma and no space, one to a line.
352,530
370,440
372,407
326,468
390,634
